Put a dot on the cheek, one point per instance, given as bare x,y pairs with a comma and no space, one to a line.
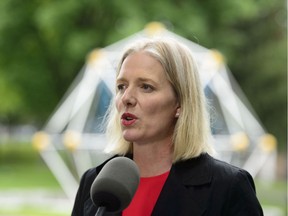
161,108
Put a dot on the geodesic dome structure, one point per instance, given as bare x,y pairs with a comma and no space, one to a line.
72,140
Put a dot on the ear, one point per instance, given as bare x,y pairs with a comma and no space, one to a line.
177,114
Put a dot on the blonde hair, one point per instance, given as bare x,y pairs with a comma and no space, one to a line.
192,130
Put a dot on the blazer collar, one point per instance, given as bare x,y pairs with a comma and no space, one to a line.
184,192
195,171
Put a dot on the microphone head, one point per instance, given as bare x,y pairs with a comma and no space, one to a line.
116,184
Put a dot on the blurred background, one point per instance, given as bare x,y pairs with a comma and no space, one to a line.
44,45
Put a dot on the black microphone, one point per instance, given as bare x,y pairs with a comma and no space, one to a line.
115,185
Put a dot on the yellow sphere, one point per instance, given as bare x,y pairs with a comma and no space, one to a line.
240,141
40,140
154,28
72,140
268,143
94,55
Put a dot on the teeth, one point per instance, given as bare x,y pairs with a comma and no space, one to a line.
128,118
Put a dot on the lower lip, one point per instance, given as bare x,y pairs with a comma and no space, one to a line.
127,123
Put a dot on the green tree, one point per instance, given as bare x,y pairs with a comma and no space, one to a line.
261,68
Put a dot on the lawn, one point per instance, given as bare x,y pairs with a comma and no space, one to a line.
25,180
273,196
21,166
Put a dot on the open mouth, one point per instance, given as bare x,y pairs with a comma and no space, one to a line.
128,116
128,119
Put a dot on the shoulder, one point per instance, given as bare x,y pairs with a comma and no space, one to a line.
89,176
223,169
83,202
87,179
208,167
223,172
83,192
226,189
234,176
237,186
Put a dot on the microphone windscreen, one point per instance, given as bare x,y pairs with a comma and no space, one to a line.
116,184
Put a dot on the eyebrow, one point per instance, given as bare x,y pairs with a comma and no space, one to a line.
122,79
140,79
146,80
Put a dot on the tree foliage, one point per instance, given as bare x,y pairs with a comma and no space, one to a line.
43,46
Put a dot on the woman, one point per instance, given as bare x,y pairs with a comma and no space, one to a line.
159,119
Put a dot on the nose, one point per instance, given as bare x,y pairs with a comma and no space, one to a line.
129,97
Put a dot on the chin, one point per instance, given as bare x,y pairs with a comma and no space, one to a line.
129,137
131,140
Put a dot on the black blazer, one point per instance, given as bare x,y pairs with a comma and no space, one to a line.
198,186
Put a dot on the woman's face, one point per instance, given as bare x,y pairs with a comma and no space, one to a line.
145,100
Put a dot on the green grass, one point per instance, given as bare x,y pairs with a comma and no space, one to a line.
28,211
22,167
273,194
27,176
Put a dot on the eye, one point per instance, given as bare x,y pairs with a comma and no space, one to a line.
121,87
147,87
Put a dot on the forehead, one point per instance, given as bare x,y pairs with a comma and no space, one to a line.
142,63
141,58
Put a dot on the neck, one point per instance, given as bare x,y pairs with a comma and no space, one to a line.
152,160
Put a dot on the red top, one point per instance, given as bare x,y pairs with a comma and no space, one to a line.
146,196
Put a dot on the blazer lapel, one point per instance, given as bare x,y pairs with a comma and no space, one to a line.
185,191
